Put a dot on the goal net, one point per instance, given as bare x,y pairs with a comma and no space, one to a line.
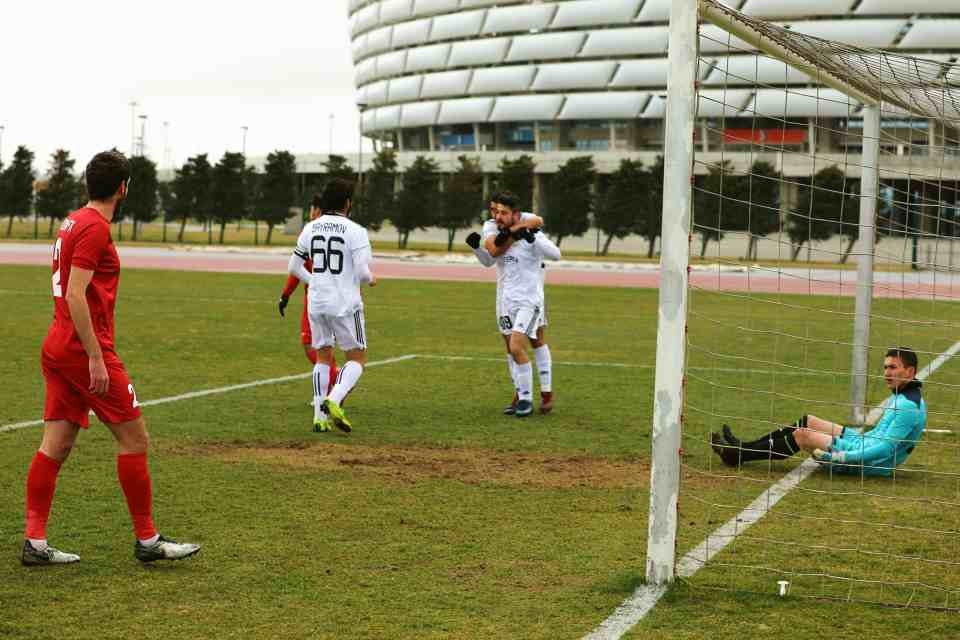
810,224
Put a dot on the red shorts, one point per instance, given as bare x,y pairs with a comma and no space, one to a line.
68,396
305,336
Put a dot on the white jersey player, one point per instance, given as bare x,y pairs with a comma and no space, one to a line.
518,253
340,251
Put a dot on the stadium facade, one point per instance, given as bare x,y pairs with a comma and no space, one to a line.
554,80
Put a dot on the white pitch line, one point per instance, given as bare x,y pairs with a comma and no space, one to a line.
210,392
645,598
630,365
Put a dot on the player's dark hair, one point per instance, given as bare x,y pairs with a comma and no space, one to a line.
317,201
336,194
907,356
105,172
507,199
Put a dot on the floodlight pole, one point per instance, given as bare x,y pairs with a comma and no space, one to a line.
869,185
672,309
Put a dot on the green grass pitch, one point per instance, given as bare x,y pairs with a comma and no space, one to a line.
439,517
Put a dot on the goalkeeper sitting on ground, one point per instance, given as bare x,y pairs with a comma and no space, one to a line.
847,449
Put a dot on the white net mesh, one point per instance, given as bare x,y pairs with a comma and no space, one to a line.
778,165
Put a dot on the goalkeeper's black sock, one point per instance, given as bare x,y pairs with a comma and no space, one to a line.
776,445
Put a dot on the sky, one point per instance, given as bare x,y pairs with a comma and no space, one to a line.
280,68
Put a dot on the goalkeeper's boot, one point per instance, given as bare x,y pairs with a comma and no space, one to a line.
776,445
524,409
33,557
729,454
321,424
337,416
164,549
511,408
546,402
729,437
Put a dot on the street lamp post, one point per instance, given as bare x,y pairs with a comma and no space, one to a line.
243,147
1,143
361,106
143,133
133,127
330,136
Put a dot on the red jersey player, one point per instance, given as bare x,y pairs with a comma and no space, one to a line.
83,372
306,338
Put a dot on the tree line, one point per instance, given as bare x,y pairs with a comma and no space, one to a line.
576,198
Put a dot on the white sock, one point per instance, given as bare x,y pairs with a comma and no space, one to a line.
525,381
349,374
321,377
149,541
512,366
544,368
39,544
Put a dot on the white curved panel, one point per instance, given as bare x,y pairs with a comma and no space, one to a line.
365,70
655,11
352,5
713,103
366,19
388,117
802,103
930,33
413,32
715,40
378,40
445,83
794,9
419,114
395,10
463,24
880,7
478,52
391,64
574,75
464,110
358,48
522,18
864,33
424,58
431,7
545,46
509,108
406,89
656,108
603,106
368,120
508,79
590,12
751,70
469,4
375,94
641,73
625,42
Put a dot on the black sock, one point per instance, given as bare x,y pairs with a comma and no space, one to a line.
776,445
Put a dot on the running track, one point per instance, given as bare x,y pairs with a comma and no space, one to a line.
923,284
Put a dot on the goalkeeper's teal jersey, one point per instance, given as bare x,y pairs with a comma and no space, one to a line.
887,445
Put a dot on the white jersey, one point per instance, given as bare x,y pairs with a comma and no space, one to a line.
520,272
335,244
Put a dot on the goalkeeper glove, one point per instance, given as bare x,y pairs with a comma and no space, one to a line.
473,240
502,238
284,301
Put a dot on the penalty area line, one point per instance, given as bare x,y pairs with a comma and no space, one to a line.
210,392
645,598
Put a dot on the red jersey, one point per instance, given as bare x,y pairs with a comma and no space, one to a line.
84,241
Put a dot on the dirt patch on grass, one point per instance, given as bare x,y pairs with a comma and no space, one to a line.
411,464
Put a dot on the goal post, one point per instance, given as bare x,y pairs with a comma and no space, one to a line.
832,178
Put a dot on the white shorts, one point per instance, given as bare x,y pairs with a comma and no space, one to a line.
346,331
525,320
505,321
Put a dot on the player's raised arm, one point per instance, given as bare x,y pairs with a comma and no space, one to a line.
483,256
546,246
